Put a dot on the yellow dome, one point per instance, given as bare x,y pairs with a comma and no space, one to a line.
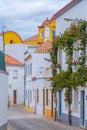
11,37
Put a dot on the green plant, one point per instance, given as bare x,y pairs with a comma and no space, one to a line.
69,79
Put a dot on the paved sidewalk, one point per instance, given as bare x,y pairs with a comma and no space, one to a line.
20,119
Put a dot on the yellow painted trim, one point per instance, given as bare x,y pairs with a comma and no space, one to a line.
11,35
52,25
49,77
48,113
28,108
32,43
28,58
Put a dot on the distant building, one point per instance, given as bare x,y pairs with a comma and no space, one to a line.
15,70
38,94
46,31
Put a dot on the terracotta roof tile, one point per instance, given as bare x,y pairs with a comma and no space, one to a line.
32,39
44,47
11,60
45,22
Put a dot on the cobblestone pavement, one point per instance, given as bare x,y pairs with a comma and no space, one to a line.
20,119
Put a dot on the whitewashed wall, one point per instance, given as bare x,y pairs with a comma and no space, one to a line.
78,11
16,51
16,84
3,98
39,64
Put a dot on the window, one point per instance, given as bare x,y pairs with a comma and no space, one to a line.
15,74
59,56
76,100
11,41
30,69
37,95
53,33
76,52
47,97
47,33
42,34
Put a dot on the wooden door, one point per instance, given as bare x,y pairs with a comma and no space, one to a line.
43,101
82,108
60,103
51,104
15,96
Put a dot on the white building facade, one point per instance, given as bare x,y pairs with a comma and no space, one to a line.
4,100
38,94
16,51
15,80
76,9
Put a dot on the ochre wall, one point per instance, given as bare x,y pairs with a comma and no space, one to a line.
12,36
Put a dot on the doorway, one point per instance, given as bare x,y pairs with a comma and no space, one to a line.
60,103
82,108
15,96
43,101
51,103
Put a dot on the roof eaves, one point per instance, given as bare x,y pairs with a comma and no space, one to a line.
65,8
16,65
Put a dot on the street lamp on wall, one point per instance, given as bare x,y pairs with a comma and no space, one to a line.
3,27
72,20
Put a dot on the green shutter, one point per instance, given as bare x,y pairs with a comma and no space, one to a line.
2,61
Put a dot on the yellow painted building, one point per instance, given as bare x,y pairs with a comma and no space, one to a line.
46,31
11,37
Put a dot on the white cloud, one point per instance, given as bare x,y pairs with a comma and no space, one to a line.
23,16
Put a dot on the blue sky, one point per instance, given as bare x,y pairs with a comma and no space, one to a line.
23,16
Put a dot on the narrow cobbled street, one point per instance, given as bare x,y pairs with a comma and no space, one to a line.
20,119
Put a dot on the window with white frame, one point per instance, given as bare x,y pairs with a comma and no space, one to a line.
53,33
47,33
42,34
76,52
15,74
76,100
59,56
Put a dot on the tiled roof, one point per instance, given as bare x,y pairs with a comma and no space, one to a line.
65,8
44,47
47,21
32,39
10,60
44,23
